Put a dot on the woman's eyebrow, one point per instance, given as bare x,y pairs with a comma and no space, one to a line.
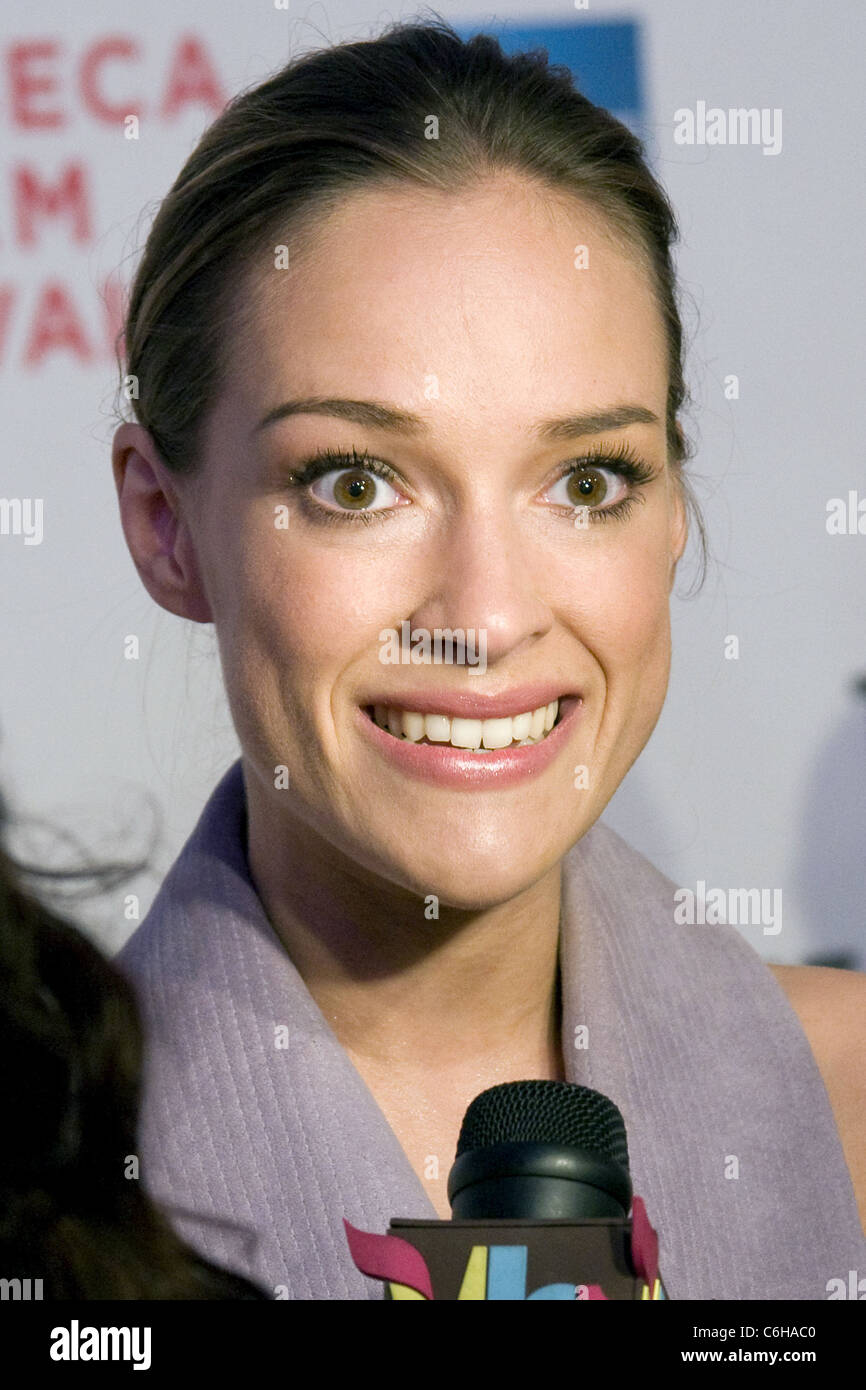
378,415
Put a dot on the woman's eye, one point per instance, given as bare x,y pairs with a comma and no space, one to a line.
351,489
589,486
347,486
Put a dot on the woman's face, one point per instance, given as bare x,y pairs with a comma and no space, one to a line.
476,314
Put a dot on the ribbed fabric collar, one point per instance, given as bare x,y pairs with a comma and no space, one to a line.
259,1150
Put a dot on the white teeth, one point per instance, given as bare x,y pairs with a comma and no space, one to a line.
437,727
413,725
521,727
478,735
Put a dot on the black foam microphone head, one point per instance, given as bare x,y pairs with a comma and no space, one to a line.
545,1112
541,1149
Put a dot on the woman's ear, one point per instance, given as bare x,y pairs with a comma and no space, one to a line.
155,525
679,527
679,506
680,512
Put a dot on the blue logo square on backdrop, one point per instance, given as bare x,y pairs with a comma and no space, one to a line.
604,56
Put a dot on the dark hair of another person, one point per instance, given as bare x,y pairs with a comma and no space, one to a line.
355,117
71,1043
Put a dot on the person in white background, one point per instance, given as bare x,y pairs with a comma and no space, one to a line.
386,376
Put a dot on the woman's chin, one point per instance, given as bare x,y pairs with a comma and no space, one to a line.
470,881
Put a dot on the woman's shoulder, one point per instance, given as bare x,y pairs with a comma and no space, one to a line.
831,1007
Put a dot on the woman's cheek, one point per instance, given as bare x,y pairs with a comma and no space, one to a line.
634,601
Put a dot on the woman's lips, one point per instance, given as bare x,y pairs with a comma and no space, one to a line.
468,704
446,766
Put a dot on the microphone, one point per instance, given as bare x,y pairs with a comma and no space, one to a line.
540,1193
541,1151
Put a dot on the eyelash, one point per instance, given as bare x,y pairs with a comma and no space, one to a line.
622,460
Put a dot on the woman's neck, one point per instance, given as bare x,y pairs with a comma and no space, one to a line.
468,993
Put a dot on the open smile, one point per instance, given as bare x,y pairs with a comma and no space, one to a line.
450,750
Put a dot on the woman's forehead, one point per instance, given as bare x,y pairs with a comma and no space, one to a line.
392,303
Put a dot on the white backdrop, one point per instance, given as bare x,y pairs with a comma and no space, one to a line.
755,775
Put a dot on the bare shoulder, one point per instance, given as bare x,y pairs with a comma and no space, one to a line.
831,1006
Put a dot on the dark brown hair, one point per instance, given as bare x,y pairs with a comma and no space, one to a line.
284,154
72,1044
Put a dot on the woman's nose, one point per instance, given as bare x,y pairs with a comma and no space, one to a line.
488,579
